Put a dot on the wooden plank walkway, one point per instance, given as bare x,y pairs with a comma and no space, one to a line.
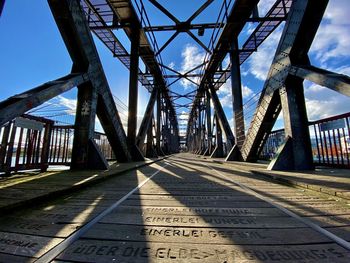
187,210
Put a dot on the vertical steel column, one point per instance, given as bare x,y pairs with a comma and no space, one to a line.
209,128
237,101
158,132
219,149
166,130
296,154
83,155
221,117
2,3
133,85
150,152
133,92
147,119
199,146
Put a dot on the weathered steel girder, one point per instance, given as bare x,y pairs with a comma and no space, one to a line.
240,13
99,14
96,94
18,104
332,80
147,119
273,18
299,32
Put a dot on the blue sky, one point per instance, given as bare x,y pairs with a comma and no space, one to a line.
32,52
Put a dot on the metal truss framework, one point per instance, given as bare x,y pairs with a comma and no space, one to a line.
283,89
206,131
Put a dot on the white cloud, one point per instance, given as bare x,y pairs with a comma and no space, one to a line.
322,102
226,101
314,88
319,109
225,88
192,57
226,62
225,93
333,39
345,69
70,104
246,92
183,117
171,65
264,6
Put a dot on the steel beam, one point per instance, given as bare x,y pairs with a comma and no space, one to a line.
218,152
237,100
150,149
296,153
237,103
267,25
85,154
18,104
241,11
133,93
209,129
158,132
189,27
2,3
221,118
133,86
301,26
332,80
76,34
147,119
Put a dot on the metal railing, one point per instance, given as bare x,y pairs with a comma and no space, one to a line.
330,141
30,142
24,144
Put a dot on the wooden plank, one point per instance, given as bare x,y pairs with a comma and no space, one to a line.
68,209
26,245
21,194
199,211
197,203
18,259
36,227
194,235
241,197
327,221
324,212
63,217
202,221
342,232
136,252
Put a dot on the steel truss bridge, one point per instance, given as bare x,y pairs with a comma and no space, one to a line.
207,133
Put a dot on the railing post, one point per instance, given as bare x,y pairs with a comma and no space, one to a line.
46,147
3,146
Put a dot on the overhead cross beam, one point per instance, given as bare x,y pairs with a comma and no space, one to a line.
182,26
